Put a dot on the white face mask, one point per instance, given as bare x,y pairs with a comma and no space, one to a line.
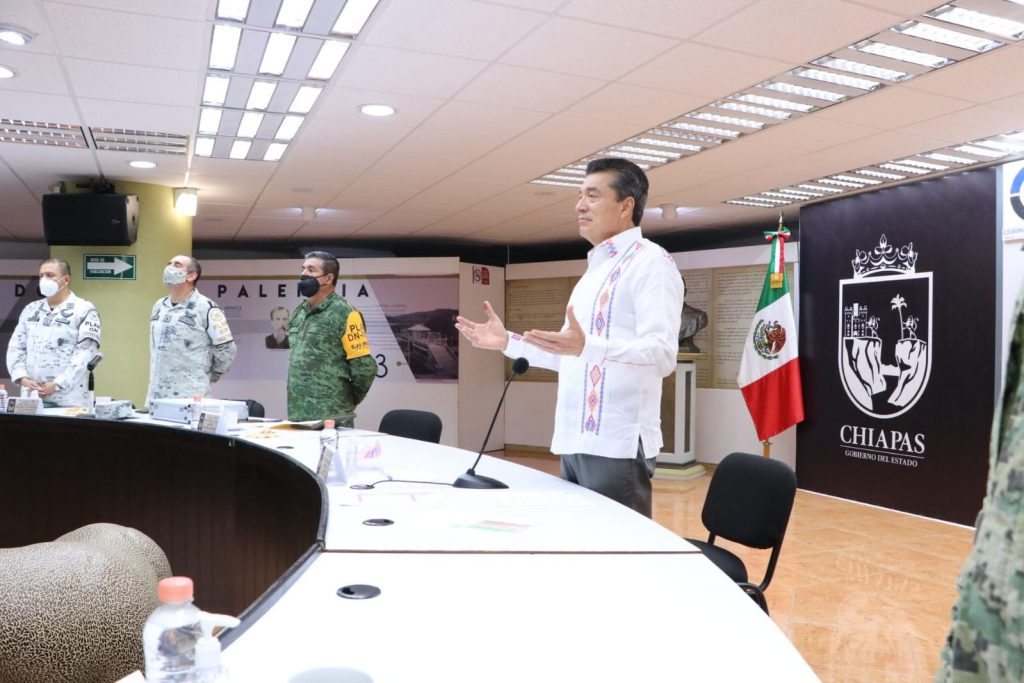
48,287
174,276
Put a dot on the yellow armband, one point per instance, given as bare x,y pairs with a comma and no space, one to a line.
354,337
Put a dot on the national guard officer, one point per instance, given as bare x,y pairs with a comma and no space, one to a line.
331,367
55,339
190,343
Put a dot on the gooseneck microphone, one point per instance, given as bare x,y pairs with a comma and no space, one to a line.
472,480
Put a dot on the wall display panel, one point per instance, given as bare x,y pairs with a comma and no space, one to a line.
897,345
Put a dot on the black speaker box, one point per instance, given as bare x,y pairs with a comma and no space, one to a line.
80,219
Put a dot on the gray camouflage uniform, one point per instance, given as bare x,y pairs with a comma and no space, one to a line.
986,640
55,345
190,347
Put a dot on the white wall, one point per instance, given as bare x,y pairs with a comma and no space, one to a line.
481,372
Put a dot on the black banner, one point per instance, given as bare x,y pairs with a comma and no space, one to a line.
897,345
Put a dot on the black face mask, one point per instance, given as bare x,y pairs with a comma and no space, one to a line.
308,285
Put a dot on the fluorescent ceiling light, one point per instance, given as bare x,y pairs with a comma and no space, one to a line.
861,68
837,79
15,36
729,120
769,199
979,21
250,124
293,13
275,57
142,164
377,110
892,166
818,188
840,183
654,142
275,151
743,202
260,95
981,151
855,179
801,91
209,121
224,48
922,164
643,151
634,155
902,54
239,149
186,200
775,102
752,109
204,147
557,183
945,36
6,72
697,128
563,178
879,174
951,158
353,17
801,193
667,133
233,9
1002,146
786,195
216,89
305,99
288,128
568,170
327,60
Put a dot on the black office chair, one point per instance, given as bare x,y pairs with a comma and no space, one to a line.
412,424
749,501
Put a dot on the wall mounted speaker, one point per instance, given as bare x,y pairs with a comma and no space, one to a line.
80,219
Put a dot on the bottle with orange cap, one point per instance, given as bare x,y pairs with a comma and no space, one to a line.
170,634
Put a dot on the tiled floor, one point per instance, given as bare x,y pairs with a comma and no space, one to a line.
863,593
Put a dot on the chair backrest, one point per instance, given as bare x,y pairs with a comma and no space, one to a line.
255,408
749,500
412,424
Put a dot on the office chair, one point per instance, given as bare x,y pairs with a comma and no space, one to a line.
749,501
254,407
412,424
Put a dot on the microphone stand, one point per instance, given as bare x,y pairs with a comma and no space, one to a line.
472,480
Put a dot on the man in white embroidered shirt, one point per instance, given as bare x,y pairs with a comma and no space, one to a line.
620,338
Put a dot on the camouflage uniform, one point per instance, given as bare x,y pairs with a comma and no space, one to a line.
190,347
55,345
331,367
986,641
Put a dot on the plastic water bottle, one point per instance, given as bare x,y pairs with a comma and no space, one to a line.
171,632
195,409
329,468
3,399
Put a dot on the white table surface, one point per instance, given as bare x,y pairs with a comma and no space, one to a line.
524,618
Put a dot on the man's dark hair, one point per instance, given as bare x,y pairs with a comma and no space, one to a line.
629,181
63,266
330,262
194,267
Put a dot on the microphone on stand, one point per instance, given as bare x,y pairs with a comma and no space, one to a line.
472,480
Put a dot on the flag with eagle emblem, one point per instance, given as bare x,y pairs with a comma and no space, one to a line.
770,369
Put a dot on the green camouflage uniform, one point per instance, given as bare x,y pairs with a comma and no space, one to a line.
331,367
986,641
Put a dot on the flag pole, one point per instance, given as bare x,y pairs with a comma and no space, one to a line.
767,448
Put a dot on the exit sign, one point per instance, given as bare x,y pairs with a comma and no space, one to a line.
109,266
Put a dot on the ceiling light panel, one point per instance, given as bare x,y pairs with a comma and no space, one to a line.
293,13
960,39
224,46
834,78
276,53
41,133
353,17
902,54
127,140
861,68
980,21
233,10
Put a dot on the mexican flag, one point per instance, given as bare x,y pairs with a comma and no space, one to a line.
770,369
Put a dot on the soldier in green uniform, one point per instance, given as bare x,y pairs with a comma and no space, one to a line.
986,641
331,367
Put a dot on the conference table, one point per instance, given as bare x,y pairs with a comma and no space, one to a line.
413,580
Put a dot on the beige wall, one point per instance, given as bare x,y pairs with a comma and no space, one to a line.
125,305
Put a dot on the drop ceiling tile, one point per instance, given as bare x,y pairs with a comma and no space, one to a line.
514,86
342,105
127,83
194,10
704,70
673,18
768,28
500,122
893,107
39,107
645,107
812,133
414,73
133,38
990,76
35,72
451,27
585,49
967,124
325,231
538,5
135,116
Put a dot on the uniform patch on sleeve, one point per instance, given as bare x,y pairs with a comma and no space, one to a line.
218,328
354,337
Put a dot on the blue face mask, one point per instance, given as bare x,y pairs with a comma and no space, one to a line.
308,285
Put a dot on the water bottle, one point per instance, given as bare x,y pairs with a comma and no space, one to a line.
3,399
329,469
195,409
171,632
